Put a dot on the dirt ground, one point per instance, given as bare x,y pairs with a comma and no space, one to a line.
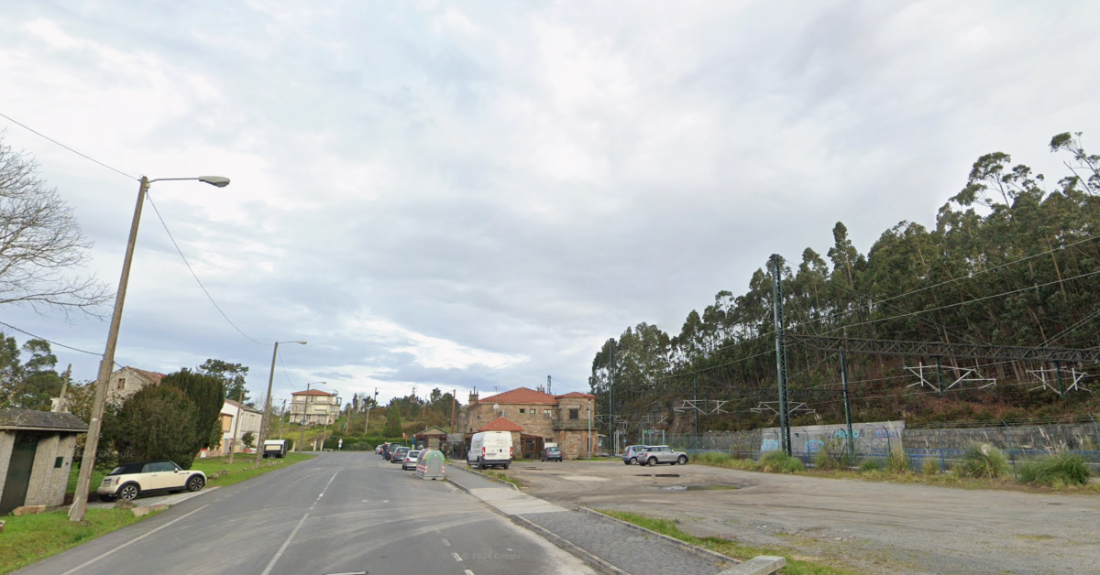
873,527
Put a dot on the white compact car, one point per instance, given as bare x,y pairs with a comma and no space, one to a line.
130,480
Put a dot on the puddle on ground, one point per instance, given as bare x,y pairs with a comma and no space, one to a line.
699,488
657,475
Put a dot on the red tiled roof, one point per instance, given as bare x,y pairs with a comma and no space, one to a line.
152,376
313,392
502,424
576,394
520,395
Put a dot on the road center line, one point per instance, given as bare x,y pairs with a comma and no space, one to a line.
279,553
457,558
446,543
131,542
468,572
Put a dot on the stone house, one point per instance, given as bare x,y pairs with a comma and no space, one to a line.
128,381
36,455
250,420
535,418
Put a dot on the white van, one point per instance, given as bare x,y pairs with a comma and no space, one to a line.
490,448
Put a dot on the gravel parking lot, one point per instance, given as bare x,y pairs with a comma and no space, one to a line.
871,526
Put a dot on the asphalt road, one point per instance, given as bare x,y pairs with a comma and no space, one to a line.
337,513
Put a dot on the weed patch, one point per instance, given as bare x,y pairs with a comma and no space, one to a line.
1057,470
983,462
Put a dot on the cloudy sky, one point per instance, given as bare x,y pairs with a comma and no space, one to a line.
479,193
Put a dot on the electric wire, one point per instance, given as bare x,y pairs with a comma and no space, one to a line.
45,137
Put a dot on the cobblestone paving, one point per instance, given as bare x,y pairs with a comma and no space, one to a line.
629,550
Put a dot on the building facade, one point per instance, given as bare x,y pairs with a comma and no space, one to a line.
314,407
250,419
535,418
128,381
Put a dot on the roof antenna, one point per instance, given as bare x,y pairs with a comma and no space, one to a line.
548,386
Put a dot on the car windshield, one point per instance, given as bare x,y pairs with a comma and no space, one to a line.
553,449
126,469
413,453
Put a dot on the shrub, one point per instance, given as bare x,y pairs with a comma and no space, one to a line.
982,461
898,462
712,458
823,461
870,465
929,466
779,462
1055,470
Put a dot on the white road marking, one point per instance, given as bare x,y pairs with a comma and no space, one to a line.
468,572
446,543
279,553
457,558
131,542
385,501
366,501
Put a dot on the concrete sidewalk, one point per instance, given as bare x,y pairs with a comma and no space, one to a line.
608,545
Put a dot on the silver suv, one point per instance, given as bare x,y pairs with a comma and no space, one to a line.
655,454
630,456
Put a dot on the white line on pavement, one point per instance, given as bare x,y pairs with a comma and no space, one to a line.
131,542
279,553
446,543
457,558
468,572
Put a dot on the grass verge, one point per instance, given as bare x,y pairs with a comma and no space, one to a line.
502,476
729,548
31,538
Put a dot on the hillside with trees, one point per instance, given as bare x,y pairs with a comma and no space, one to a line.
1012,260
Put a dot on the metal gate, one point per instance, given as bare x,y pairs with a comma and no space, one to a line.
19,472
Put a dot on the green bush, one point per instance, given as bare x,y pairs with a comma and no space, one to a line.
869,465
779,462
823,461
898,462
929,466
982,461
1055,470
712,458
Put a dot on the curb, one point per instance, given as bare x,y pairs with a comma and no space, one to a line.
682,544
592,560
489,477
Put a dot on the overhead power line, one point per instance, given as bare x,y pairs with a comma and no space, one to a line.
45,137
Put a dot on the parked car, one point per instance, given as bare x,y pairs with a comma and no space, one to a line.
655,454
490,449
378,450
131,480
398,454
409,461
630,456
552,453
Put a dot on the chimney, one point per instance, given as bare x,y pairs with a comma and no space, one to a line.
473,397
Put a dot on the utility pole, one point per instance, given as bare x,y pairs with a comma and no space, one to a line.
847,403
366,423
548,386
611,400
453,401
282,416
64,388
590,433
695,396
302,423
267,401
236,424
780,352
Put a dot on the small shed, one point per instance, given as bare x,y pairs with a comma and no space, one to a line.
431,438
36,454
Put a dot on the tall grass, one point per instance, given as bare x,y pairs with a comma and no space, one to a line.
983,461
1055,470
898,462
779,462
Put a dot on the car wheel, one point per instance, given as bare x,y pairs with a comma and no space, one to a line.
683,460
195,483
506,466
128,492
652,461
633,460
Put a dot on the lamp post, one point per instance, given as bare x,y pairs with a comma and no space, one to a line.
267,401
87,462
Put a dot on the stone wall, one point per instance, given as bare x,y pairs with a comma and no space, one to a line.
1052,437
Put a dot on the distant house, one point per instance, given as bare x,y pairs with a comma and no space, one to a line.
128,381
431,437
314,407
250,419
535,418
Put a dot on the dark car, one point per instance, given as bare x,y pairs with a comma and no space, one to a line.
551,454
398,455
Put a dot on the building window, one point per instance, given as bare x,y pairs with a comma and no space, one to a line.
522,410
548,413
575,413
122,383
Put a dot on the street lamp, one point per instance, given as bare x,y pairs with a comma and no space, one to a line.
267,400
87,462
